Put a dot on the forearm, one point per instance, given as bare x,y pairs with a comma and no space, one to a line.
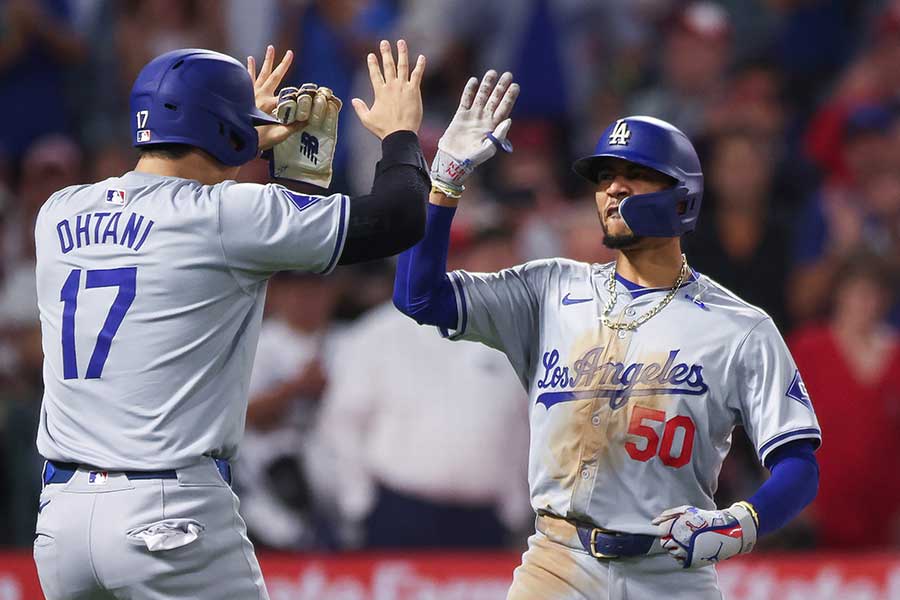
392,217
422,289
792,486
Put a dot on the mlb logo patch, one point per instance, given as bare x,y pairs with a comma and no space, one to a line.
98,477
797,391
115,197
143,135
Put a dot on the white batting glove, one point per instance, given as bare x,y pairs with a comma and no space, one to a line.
698,538
308,154
478,129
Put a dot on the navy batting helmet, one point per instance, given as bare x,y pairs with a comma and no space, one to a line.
200,98
663,147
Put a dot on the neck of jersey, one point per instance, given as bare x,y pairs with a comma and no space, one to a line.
638,290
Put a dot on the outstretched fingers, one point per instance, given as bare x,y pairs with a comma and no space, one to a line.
504,109
468,95
268,63
402,61
374,72
273,80
418,72
387,61
484,90
497,93
361,108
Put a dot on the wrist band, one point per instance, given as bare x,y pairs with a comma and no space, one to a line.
752,510
445,188
746,516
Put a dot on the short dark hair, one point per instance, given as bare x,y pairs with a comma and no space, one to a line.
168,150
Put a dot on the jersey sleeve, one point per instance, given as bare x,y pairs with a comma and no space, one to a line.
501,310
774,404
269,228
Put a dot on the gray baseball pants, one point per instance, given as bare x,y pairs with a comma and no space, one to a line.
104,536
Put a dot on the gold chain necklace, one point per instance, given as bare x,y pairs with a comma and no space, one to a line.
632,325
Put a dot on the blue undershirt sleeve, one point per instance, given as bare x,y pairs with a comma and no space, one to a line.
422,288
793,485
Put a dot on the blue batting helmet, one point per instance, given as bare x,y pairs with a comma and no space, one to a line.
200,98
663,147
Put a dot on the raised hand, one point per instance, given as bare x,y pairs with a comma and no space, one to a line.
265,89
477,130
398,99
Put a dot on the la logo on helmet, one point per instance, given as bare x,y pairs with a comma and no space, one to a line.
620,134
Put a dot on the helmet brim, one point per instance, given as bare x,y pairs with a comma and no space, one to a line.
258,117
588,166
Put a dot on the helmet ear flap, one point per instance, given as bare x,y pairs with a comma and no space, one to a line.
665,213
237,142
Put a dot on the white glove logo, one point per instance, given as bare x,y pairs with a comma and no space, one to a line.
309,146
307,155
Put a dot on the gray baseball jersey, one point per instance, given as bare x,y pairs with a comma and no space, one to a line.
627,424
151,292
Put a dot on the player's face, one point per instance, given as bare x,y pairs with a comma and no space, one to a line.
616,180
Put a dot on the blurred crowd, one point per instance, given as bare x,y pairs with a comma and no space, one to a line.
367,431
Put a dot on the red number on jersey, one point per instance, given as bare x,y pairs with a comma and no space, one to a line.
637,427
687,445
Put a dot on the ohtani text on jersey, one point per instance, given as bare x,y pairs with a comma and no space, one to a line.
124,229
615,380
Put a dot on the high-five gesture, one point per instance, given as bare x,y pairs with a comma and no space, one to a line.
398,100
265,88
478,128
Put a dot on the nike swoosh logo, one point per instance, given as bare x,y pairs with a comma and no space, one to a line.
42,505
568,301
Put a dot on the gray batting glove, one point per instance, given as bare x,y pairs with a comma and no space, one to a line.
478,129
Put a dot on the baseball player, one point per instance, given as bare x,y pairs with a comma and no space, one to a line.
151,289
637,370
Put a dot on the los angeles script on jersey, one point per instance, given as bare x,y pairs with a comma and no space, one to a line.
124,229
615,380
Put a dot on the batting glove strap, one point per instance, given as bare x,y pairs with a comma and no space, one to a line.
448,190
450,171
746,515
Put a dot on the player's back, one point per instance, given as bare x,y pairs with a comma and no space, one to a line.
148,336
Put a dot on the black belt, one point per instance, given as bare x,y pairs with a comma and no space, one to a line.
61,472
603,543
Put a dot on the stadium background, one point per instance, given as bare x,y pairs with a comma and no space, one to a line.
793,105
